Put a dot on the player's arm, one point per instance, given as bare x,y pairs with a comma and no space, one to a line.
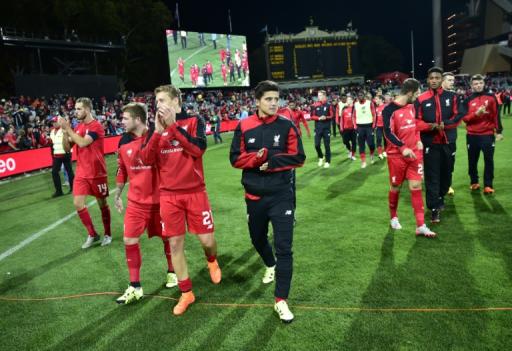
239,157
457,115
294,156
374,114
302,120
314,117
497,118
330,113
193,145
387,118
421,125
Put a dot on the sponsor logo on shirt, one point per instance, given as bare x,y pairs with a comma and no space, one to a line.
276,140
175,142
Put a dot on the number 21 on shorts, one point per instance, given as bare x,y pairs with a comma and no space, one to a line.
207,219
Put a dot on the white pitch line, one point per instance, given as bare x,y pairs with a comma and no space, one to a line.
40,233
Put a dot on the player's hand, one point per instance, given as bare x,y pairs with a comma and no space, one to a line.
499,137
419,145
408,153
264,166
481,110
322,118
260,153
159,127
118,203
167,115
440,126
63,123
433,126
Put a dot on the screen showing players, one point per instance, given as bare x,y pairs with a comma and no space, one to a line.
207,60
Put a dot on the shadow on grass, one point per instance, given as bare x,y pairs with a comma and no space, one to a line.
434,275
24,278
495,224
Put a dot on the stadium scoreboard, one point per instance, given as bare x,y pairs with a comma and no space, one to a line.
311,59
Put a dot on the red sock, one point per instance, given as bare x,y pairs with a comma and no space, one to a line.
87,221
167,251
417,205
379,149
278,299
105,217
185,285
363,157
134,261
393,202
210,258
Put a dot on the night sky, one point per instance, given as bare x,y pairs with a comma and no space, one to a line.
391,19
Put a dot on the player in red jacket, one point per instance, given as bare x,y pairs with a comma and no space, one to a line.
181,69
177,147
378,125
91,170
405,154
143,207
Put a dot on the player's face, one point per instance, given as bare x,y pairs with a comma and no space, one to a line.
350,101
434,80
322,97
477,86
448,82
292,105
413,96
80,111
129,123
164,99
360,96
267,105
378,101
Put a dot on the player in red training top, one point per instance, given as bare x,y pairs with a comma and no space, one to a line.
405,151
143,208
378,125
91,170
177,146
181,69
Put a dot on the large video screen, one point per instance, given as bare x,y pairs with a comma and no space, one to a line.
207,60
312,60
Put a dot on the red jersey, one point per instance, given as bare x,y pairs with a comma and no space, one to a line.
400,129
144,178
346,122
485,124
178,153
296,116
224,71
181,68
378,112
90,159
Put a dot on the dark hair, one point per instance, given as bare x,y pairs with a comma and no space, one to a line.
434,69
136,110
263,87
409,85
477,77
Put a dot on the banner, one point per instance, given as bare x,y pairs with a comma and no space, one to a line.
18,162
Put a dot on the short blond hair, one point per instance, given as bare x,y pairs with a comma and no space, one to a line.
86,102
171,90
136,110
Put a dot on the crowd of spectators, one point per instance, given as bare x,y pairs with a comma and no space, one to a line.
25,122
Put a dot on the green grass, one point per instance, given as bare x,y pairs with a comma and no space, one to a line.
195,54
345,257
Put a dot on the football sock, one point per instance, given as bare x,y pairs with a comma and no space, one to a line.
393,202
167,251
185,285
87,221
105,217
417,205
134,261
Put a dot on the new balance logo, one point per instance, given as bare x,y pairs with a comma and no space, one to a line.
288,213
165,133
428,105
251,141
129,152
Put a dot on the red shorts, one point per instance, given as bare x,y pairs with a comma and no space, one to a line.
137,220
401,168
97,187
190,209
